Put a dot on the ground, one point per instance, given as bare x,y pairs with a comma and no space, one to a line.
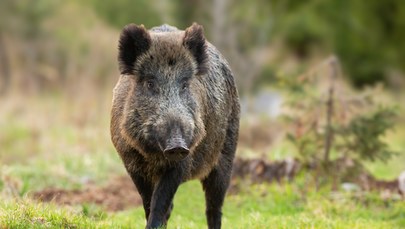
259,206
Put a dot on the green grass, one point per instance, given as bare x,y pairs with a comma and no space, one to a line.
52,143
258,206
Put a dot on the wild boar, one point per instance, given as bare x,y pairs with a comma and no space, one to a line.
175,117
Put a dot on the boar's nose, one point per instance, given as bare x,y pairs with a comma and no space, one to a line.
176,149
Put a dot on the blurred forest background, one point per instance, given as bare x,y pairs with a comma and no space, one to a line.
59,45
320,81
48,45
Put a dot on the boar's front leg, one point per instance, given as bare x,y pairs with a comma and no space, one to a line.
163,196
169,212
145,189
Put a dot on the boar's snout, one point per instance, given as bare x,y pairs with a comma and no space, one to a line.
176,149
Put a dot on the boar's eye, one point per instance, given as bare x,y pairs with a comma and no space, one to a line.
150,84
184,86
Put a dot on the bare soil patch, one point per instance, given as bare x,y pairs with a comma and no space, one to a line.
119,194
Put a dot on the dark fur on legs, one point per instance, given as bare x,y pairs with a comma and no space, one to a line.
145,190
215,189
161,204
158,199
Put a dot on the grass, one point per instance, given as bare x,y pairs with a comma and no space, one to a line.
51,142
258,206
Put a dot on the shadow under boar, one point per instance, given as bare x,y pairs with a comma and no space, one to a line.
175,117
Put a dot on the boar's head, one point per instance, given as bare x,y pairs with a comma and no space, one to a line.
164,104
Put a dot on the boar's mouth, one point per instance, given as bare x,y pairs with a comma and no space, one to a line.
176,149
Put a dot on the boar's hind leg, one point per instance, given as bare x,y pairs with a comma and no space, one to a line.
217,182
215,186
145,189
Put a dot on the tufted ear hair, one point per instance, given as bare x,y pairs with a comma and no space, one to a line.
134,41
195,42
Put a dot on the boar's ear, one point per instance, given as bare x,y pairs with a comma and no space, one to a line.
194,41
134,41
